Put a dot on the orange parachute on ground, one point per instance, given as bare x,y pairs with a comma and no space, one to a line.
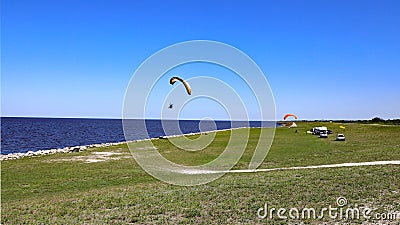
187,86
289,115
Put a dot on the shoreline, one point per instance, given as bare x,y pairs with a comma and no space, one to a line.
19,155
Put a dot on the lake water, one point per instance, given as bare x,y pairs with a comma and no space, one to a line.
33,134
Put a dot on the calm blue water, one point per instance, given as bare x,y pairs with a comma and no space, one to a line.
33,134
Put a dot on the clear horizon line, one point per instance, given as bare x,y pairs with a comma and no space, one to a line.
120,118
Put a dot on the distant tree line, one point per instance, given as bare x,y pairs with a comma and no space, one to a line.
382,121
375,120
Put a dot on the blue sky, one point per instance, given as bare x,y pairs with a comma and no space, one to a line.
322,59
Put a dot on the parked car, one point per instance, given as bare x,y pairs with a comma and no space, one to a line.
340,137
323,134
330,132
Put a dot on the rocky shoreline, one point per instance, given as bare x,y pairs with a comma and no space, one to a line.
13,156
54,151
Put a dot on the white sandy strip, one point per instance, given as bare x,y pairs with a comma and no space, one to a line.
376,163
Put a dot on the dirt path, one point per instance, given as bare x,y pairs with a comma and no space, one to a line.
376,163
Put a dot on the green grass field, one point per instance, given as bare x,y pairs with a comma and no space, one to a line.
66,189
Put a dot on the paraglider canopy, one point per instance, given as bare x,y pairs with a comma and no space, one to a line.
289,115
187,86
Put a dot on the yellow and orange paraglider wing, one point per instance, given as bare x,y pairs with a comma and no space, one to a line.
187,86
172,80
289,115
343,127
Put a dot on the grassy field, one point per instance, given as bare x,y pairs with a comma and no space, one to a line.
112,188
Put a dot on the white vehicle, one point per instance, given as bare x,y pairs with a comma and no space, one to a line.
323,134
317,130
340,137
